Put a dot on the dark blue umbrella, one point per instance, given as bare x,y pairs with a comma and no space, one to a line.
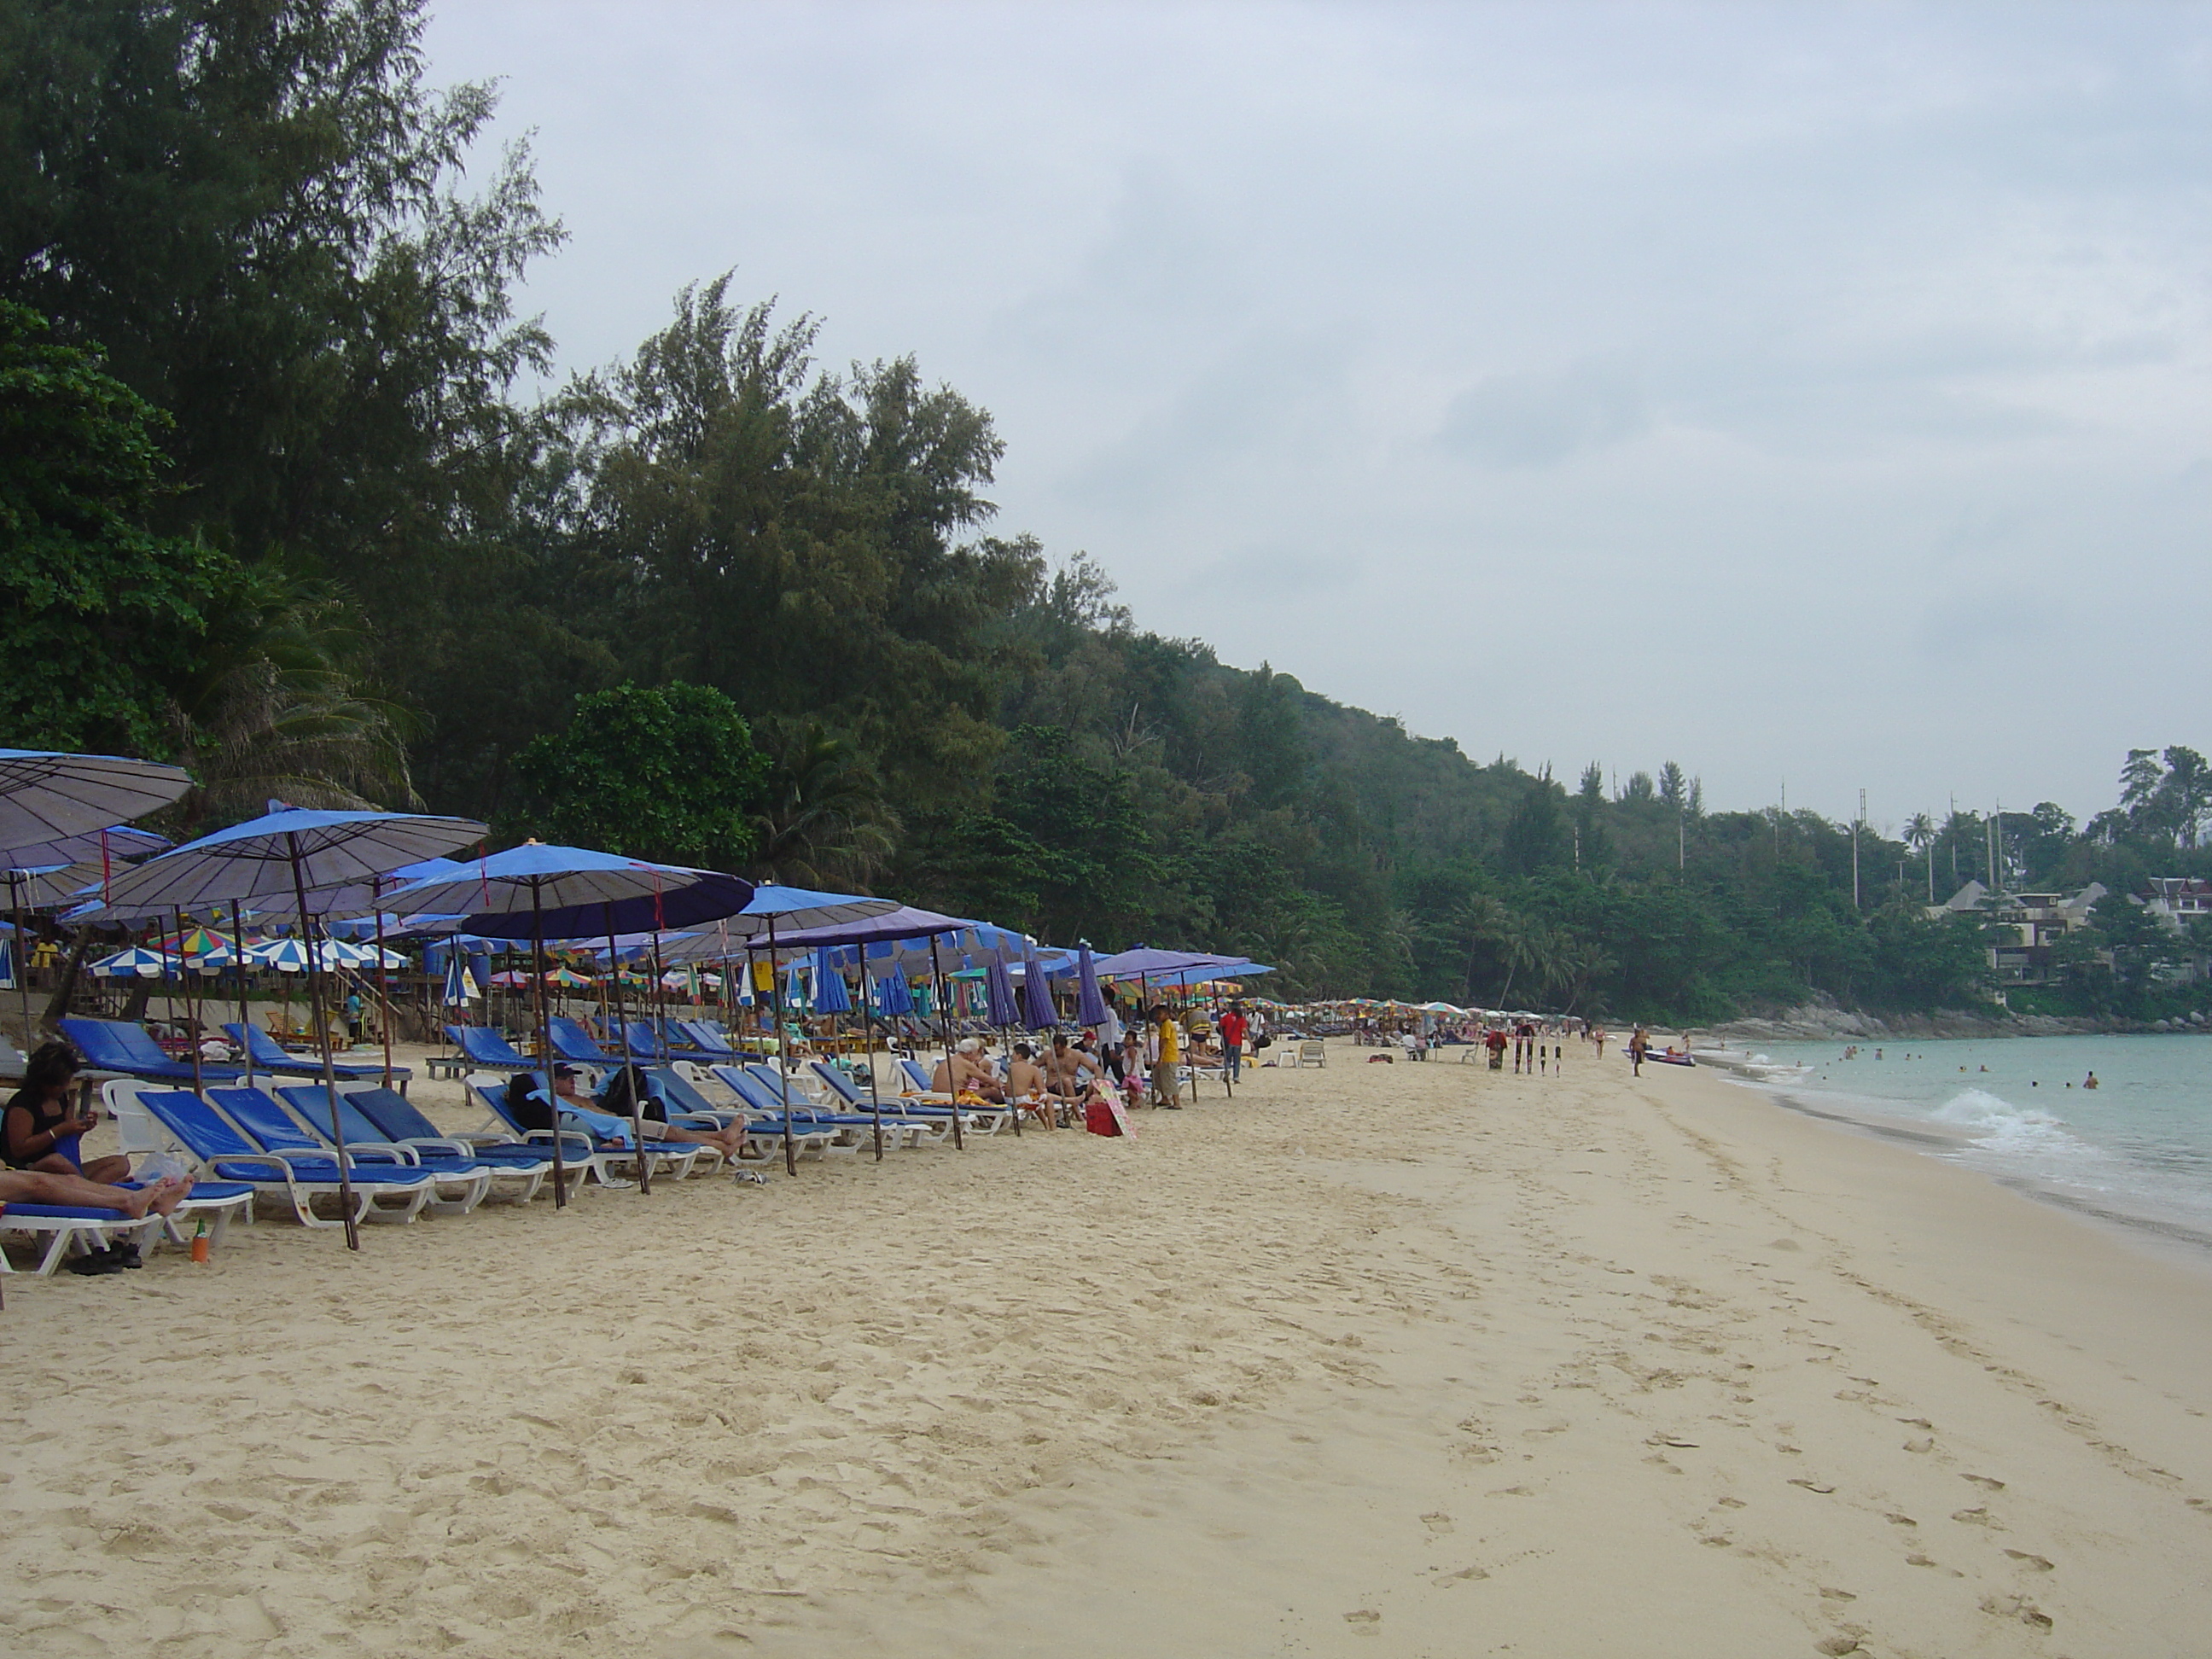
1090,1006
998,988
539,892
830,994
289,851
893,998
1036,994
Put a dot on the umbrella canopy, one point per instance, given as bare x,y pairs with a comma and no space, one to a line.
830,996
899,922
138,961
45,795
1036,995
540,891
286,956
112,847
256,860
1145,962
998,988
47,887
1090,1006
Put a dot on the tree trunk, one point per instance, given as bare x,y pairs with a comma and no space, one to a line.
64,983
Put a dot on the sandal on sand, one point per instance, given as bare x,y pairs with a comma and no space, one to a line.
93,1262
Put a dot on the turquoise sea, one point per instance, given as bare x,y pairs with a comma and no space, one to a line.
2137,1149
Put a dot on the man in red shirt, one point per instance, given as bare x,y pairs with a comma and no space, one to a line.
1233,1028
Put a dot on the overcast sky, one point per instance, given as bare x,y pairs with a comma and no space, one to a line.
1793,390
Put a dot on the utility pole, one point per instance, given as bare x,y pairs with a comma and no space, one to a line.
1951,834
1857,823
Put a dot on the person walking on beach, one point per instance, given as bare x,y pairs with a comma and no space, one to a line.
1233,1027
1639,1043
1167,1057
1496,1043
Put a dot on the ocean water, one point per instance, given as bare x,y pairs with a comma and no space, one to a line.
2137,1149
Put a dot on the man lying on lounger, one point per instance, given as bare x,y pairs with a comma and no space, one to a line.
531,1114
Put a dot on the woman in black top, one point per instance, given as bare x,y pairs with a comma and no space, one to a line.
41,1125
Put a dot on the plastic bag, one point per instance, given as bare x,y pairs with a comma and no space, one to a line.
162,1166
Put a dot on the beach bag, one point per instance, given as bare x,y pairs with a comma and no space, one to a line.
627,1084
525,1104
1262,1042
1098,1118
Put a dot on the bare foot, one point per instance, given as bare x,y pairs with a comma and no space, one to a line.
160,1199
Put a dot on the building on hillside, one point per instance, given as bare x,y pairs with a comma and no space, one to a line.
2177,901
2024,928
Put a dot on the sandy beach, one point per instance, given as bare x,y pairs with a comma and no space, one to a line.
1410,1360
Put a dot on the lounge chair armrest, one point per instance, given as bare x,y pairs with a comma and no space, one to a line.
573,1143
455,1145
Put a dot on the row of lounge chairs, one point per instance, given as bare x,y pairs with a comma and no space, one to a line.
271,1140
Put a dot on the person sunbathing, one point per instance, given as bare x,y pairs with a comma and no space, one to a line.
529,1111
41,1187
42,1126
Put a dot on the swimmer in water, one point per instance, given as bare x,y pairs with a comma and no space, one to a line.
2090,1081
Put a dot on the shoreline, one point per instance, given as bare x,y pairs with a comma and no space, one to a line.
1374,1360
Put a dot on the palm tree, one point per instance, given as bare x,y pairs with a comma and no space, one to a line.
279,707
1920,836
826,823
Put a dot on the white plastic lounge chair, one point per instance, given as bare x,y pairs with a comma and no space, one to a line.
69,1228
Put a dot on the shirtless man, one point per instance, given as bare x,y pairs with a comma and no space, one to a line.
1025,1078
1068,1066
967,1074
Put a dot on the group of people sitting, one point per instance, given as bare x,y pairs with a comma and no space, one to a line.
1138,1065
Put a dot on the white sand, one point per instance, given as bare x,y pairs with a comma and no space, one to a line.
1406,1359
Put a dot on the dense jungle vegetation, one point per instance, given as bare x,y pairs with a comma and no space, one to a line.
272,504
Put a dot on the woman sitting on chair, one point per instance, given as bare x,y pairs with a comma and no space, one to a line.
41,1126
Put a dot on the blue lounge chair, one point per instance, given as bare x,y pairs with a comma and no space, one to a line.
596,1141
929,1125
277,1131
763,1095
114,1045
227,1155
572,1043
685,1104
269,1055
487,1050
404,1126
464,1179
68,1228
647,1045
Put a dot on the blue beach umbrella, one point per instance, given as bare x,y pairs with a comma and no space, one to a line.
1089,1005
830,996
46,795
893,998
537,891
289,853
1036,994
999,991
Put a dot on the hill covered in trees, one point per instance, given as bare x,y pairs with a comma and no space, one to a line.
271,504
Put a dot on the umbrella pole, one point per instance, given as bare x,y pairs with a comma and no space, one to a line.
944,1025
545,1042
23,960
245,1019
323,1047
185,973
622,1025
782,1050
868,1037
383,977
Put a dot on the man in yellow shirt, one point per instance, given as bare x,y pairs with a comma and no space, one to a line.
1167,1058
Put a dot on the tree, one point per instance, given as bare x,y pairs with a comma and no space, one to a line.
668,773
251,204
100,618
823,820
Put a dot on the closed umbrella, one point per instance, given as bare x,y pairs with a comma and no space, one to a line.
1089,1005
999,992
299,851
1036,994
830,996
